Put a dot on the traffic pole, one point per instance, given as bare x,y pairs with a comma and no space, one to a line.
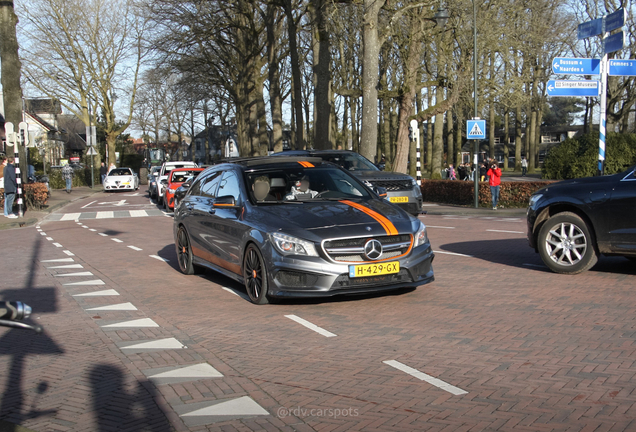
13,140
603,115
415,131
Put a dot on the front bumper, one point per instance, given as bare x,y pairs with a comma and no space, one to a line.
409,200
317,277
113,186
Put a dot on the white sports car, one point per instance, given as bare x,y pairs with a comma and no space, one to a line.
121,179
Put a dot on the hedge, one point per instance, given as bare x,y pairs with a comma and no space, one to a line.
36,196
511,194
82,177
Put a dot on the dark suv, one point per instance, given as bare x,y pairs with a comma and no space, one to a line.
570,223
401,189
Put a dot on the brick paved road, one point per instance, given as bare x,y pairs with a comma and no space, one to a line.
495,343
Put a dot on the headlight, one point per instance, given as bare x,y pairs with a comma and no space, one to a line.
171,191
534,198
288,245
152,183
420,236
413,182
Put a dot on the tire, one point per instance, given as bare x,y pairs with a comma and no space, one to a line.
184,252
143,176
255,275
566,244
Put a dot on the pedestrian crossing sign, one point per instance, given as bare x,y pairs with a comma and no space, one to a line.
476,129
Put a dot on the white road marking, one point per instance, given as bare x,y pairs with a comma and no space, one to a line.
92,229
158,258
239,407
89,203
70,217
117,240
49,238
84,226
424,377
310,326
58,260
110,292
202,370
167,343
75,274
42,233
116,307
78,222
453,253
38,226
430,205
135,248
67,266
57,245
105,215
138,323
504,231
103,234
237,293
138,213
433,226
68,252
89,282
39,230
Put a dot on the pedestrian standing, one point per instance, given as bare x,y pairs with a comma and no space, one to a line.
103,171
524,166
111,167
482,171
451,172
67,175
494,180
10,187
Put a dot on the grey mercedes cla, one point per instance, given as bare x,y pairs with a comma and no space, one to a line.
298,227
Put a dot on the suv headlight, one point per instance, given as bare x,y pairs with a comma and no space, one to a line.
534,198
420,236
288,245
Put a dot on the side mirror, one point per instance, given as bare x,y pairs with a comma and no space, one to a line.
156,173
164,181
225,201
380,191
185,185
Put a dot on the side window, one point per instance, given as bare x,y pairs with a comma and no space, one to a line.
208,189
195,189
230,186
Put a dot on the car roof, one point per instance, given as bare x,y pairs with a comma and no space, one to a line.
268,160
313,152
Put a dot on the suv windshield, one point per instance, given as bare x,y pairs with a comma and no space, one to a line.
120,172
298,184
349,161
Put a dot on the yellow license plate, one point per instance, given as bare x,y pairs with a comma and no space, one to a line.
399,199
374,269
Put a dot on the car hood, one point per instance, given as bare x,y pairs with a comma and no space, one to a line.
584,183
334,219
372,175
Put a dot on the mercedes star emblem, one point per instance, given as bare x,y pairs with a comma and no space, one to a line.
373,249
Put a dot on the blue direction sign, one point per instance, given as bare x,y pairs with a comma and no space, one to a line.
573,88
590,28
476,129
622,67
576,66
615,20
614,42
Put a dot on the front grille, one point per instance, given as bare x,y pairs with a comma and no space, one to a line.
344,281
296,279
352,249
393,185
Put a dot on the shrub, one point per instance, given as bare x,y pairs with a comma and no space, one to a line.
578,157
82,177
36,195
512,194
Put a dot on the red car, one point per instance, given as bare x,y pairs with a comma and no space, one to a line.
175,179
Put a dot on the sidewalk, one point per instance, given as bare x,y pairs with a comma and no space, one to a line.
58,199
456,210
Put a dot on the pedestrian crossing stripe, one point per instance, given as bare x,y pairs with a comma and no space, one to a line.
62,217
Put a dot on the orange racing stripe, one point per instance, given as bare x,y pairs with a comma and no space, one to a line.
306,164
386,224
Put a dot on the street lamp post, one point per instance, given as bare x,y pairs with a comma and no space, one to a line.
476,114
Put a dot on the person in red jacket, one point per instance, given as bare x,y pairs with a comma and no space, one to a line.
494,179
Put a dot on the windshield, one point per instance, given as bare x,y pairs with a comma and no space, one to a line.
120,172
299,184
156,154
349,161
183,176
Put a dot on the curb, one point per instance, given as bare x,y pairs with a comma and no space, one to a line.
448,210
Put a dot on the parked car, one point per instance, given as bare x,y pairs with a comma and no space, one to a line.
401,189
571,223
163,174
176,178
298,227
121,179
152,181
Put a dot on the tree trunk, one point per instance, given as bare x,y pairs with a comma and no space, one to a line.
429,135
450,140
370,69
355,130
275,98
111,141
518,138
323,100
491,108
506,150
537,137
11,70
530,141
405,110
459,142
263,135
296,75
345,124
438,138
